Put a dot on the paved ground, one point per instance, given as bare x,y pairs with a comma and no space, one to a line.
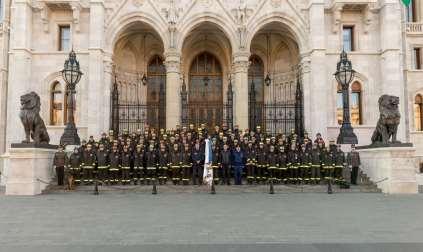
203,222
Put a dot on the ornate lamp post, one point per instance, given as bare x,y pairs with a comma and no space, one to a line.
344,75
71,73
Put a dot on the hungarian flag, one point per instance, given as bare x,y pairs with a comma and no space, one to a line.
406,2
208,170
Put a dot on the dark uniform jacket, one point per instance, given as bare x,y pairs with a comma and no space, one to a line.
315,157
282,160
151,159
272,160
175,158
251,156
261,157
139,159
88,159
114,159
102,159
60,159
293,158
126,159
225,157
197,156
339,158
353,159
75,160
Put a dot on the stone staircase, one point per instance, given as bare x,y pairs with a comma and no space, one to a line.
365,186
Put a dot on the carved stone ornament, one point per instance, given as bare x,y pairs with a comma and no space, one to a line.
138,3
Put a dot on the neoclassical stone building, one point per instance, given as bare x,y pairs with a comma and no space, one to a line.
243,62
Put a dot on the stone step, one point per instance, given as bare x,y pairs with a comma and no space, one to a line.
219,189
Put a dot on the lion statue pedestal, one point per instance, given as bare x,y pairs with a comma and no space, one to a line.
388,162
30,166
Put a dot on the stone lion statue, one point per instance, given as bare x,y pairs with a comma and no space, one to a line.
30,116
389,120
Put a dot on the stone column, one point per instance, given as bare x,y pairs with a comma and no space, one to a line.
173,89
96,110
19,67
318,82
240,89
4,56
392,79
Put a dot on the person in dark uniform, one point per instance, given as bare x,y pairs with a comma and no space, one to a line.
238,164
272,162
251,156
293,164
328,163
339,164
126,159
74,168
282,165
151,162
102,164
114,165
261,164
175,161
315,164
59,162
197,157
88,164
138,174
354,162
305,161
186,164
225,162
216,163
163,168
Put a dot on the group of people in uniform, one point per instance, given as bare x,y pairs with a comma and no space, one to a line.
150,156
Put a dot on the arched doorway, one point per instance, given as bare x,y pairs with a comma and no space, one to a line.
274,69
138,95
256,91
205,91
156,93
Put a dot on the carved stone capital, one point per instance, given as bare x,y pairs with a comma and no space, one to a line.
173,61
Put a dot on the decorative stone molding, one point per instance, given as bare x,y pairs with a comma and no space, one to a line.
276,3
76,12
337,16
173,61
240,62
138,3
45,13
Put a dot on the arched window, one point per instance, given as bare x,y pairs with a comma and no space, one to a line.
56,105
339,106
355,104
418,110
355,108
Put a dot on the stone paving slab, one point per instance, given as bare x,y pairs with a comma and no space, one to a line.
204,222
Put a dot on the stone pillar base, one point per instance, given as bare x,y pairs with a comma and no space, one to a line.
392,168
29,171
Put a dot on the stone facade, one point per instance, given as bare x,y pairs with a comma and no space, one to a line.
124,34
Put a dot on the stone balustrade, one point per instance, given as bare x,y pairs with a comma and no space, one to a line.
414,28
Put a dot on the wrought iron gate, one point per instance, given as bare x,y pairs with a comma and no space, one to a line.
131,109
282,109
212,112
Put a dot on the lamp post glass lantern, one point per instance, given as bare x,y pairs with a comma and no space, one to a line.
71,73
344,75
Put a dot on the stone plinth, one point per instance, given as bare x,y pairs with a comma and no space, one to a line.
392,168
29,171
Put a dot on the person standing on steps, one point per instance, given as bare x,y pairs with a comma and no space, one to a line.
238,164
353,160
59,163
